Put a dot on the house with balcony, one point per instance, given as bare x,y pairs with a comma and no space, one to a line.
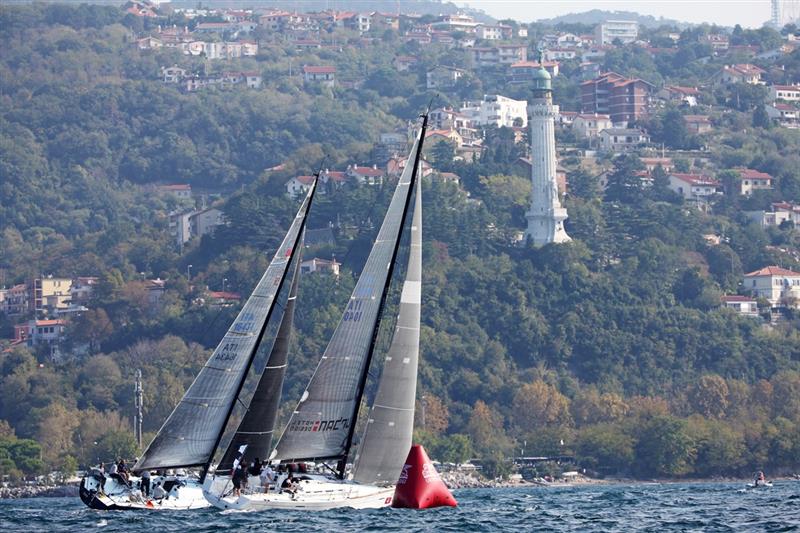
752,180
743,305
780,286
621,140
322,75
589,125
694,187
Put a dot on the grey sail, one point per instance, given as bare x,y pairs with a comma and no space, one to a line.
390,425
321,427
258,424
193,430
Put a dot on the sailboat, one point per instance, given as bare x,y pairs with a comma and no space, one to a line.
321,429
193,431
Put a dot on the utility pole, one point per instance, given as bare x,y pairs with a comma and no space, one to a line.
137,418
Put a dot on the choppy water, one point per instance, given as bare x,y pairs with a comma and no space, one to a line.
635,507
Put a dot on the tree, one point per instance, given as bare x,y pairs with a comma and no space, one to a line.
674,130
709,396
625,182
663,447
583,185
761,118
485,428
538,404
443,153
605,448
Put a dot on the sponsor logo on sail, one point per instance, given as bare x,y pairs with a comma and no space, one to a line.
320,425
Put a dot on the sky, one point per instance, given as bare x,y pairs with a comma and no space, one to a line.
748,13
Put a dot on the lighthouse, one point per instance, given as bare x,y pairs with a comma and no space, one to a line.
546,216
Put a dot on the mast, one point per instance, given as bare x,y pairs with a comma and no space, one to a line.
254,349
363,381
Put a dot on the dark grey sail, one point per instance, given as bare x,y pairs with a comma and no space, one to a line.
388,435
258,424
193,430
322,425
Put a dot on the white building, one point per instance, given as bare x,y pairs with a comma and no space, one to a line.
619,140
743,305
779,286
324,75
694,186
789,93
781,212
188,224
752,180
496,110
490,33
320,265
626,31
443,77
545,216
589,125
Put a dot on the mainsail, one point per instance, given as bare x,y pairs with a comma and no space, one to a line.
322,425
258,424
390,425
193,430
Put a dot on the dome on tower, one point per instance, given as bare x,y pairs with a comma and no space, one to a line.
541,80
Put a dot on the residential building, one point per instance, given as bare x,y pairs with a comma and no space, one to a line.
365,175
458,22
82,288
217,299
49,294
788,93
752,180
617,140
179,190
523,72
489,33
650,163
624,100
743,305
173,74
781,212
589,125
718,42
779,286
404,63
505,54
194,223
695,187
560,54
443,77
626,31
740,73
14,300
38,332
316,264
324,75
156,288
679,95
697,124
496,110
784,115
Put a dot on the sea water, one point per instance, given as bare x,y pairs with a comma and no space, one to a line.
614,507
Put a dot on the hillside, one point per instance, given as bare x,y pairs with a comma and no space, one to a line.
614,348
597,16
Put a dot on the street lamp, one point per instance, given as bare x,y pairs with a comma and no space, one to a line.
223,283
189,272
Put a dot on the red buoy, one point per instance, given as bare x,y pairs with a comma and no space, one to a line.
420,486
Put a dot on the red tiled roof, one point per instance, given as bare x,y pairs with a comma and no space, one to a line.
696,179
773,271
225,295
319,70
368,171
176,187
736,298
786,87
750,174
683,90
305,180
58,322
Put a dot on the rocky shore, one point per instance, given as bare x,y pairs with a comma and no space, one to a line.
39,491
462,480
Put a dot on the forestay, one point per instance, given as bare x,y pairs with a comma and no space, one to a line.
192,431
320,426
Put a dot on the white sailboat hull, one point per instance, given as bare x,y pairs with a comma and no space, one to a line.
112,493
315,492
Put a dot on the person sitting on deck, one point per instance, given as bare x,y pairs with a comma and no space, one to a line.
158,492
289,485
123,471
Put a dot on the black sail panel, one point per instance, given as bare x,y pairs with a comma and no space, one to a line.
321,425
192,432
258,424
390,425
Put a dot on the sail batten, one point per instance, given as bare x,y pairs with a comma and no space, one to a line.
192,431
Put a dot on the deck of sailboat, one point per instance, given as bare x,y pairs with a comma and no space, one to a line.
315,492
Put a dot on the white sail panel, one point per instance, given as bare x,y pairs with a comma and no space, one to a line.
192,431
390,425
322,424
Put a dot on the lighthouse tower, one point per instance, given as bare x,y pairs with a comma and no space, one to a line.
546,216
